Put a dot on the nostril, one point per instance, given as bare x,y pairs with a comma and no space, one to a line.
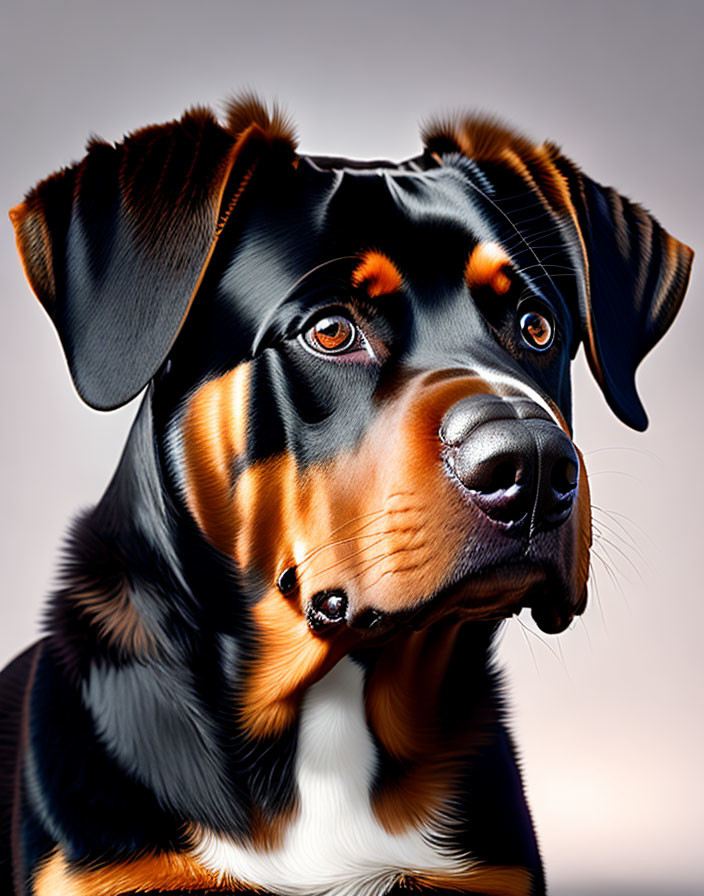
496,463
500,483
558,493
503,476
564,475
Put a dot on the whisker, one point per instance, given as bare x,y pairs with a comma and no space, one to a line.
637,479
381,535
644,452
585,628
613,514
628,542
371,562
332,544
604,541
349,558
597,591
524,631
546,231
621,533
551,267
523,221
375,514
612,575
400,569
564,661
539,637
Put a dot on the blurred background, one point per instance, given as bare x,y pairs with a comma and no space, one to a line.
608,716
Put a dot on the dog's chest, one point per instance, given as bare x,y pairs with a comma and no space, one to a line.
335,845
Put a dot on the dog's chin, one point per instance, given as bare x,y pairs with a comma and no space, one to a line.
553,611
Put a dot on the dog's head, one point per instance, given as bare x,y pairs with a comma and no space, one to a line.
360,370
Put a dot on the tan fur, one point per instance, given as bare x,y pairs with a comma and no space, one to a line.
378,274
487,266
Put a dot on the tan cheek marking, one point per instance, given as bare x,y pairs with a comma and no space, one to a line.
487,267
378,274
214,435
422,546
265,505
166,872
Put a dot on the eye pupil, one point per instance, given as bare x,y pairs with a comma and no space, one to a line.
537,330
332,334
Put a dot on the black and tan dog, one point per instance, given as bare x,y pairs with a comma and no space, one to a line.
269,666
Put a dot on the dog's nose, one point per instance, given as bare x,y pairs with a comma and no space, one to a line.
519,467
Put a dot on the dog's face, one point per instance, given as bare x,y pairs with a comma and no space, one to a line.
397,436
360,373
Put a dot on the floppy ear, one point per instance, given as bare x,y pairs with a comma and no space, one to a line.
631,275
635,278
116,246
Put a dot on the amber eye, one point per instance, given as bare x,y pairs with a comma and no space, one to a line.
537,330
332,335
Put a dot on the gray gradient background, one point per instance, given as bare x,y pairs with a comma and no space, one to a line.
608,716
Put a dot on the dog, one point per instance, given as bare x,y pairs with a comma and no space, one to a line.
268,667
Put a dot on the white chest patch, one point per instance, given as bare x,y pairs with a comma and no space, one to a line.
335,845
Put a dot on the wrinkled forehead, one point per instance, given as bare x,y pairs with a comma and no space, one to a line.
298,233
424,221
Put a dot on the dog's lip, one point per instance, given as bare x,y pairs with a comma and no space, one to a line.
504,590
492,593
487,595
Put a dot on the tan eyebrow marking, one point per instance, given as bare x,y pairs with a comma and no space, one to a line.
378,274
486,267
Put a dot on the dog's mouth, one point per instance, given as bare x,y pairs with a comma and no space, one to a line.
492,595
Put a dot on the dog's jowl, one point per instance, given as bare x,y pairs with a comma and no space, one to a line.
269,663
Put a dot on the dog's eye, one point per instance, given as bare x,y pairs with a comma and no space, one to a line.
337,337
537,329
332,335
